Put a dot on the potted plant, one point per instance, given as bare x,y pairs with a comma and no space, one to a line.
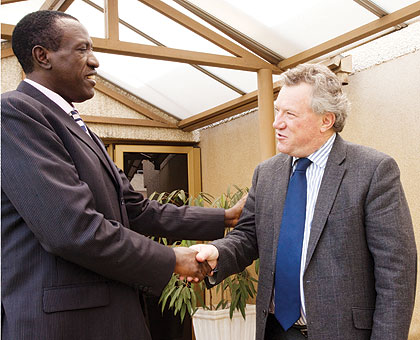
224,309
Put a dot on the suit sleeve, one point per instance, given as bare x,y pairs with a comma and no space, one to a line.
239,248
41,181
186,222
390,238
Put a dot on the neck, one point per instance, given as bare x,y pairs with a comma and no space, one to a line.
320,142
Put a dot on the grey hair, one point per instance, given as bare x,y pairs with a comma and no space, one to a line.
327,95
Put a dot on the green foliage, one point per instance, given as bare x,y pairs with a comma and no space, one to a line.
183,296
180,295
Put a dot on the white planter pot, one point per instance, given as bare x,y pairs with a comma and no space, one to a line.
216,324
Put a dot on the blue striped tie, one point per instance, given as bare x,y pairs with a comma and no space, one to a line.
79,120
289,249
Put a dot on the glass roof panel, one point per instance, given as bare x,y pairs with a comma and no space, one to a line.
392,5
287,28
163,29
243,80
91,18
13,12
176,88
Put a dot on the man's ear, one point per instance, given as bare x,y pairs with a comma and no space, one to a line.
40,56
328,120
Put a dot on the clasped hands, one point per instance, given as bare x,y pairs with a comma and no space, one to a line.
196,262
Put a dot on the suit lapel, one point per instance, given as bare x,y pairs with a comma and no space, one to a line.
116,176
108,161
333,175
70,124
281,182
93,143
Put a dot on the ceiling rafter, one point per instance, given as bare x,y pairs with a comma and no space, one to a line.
126,121
6,31
250,62
5,2
165,53
56,5
207,33
239,37
133,105
111,20
225,110
377,10
6,52
376,26
156,42
177,55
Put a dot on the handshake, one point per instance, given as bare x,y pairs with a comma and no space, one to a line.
196,262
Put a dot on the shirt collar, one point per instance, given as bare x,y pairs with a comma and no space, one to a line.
320,156
56,98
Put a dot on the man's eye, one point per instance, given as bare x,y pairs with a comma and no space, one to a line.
290,114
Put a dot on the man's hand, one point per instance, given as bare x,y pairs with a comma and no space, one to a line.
206,252
187,266
232,214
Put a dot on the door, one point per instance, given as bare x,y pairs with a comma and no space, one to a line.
160,168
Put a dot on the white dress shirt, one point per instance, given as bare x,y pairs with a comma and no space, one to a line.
56,98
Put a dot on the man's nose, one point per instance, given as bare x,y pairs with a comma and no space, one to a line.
92,61
279,122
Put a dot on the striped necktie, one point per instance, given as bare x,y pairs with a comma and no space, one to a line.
79,120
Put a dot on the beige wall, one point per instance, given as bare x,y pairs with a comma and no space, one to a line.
385,115
229,154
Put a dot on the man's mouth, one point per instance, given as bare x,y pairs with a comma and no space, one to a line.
280,136
92,78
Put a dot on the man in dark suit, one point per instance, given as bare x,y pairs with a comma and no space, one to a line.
74,257
342,265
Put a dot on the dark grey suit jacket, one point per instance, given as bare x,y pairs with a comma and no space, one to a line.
73,257
360,275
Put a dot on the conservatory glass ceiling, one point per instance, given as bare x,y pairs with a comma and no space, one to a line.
284,28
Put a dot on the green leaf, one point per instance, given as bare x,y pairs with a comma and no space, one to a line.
200,299
257,266
242,308
172,194
182,312
160,197
165,297
194,299
175,296
182,196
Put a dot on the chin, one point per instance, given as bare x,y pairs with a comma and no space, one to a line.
281,148
85,97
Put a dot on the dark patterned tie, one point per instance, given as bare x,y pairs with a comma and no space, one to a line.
289,249
79,120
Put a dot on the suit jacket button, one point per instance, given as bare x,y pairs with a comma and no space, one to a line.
265,312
